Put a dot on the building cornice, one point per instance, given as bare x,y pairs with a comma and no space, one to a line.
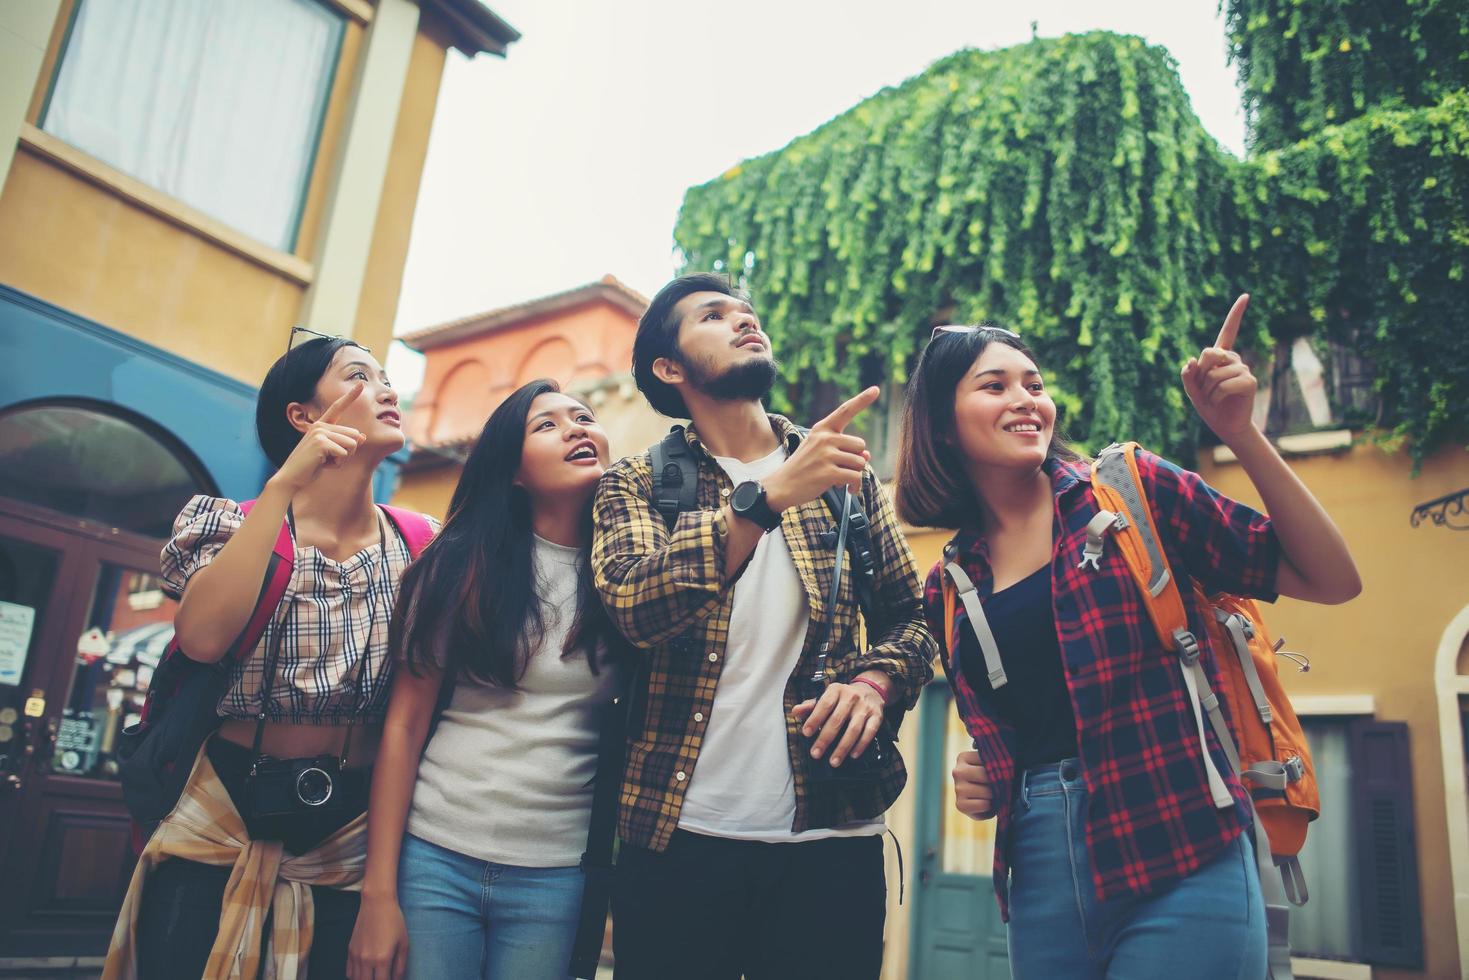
475,27
609,290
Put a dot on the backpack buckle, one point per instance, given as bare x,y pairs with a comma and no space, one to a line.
1096,530
1187,646
1295,769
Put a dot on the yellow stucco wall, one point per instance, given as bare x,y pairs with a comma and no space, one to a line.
378,303
89,251
80,245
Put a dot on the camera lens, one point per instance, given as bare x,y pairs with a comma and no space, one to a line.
313,786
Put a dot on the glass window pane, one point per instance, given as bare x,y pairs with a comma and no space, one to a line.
966,846
130,623
27,578
93,465
216,102
27,574
1328,924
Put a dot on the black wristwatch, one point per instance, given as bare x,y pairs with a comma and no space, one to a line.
748,501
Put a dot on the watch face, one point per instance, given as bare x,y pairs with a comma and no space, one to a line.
745,496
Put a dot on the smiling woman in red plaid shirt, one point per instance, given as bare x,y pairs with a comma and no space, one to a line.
1111,858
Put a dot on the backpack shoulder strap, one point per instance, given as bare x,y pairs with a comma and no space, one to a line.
272,589
1117,484
415,528
959,590
1129,518
285,544
675,476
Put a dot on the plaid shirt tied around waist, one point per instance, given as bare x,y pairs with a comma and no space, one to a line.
1150,820
666,593
266,916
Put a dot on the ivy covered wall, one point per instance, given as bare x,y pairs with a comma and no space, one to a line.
1066,188
1305,66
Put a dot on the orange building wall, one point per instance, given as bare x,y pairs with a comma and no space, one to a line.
586,349
428,491
464,381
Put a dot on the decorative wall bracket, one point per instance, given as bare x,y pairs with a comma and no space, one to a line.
1450,511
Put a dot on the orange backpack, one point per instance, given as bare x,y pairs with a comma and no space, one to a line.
1266,746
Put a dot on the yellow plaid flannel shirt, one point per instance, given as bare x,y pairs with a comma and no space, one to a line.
666,593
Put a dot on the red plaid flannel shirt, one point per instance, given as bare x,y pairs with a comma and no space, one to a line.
1151,820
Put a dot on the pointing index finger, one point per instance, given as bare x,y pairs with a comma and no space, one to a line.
1230,330
848,410
336,408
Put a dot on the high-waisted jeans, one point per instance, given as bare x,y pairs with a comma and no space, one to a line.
1208,926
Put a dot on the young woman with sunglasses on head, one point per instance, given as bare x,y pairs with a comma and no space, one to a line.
1112,859
491,743
225,878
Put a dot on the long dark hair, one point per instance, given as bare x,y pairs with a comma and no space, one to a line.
933,484
469,604
292,378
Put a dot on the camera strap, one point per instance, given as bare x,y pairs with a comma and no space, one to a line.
818,676
272,654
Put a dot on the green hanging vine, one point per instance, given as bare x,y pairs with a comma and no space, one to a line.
1306,66
1066,187
1361,235
1062,187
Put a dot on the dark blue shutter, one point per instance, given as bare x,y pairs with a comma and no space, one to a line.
1392,919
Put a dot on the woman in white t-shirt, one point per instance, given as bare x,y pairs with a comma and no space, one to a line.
474,839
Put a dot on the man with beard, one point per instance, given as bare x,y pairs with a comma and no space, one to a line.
738,857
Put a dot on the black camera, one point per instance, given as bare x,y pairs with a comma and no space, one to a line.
864,768
286,787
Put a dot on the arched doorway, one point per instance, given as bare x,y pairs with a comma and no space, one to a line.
1451,678
88,494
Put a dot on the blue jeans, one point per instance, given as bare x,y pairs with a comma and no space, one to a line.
472,918
1209,926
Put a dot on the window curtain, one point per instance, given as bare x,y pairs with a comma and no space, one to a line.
215,102
1329,925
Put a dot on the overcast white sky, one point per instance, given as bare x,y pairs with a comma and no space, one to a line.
569,158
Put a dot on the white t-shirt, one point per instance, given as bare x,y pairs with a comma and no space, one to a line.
742,787
507,775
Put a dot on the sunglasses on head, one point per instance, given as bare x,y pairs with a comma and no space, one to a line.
970,328
291,340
